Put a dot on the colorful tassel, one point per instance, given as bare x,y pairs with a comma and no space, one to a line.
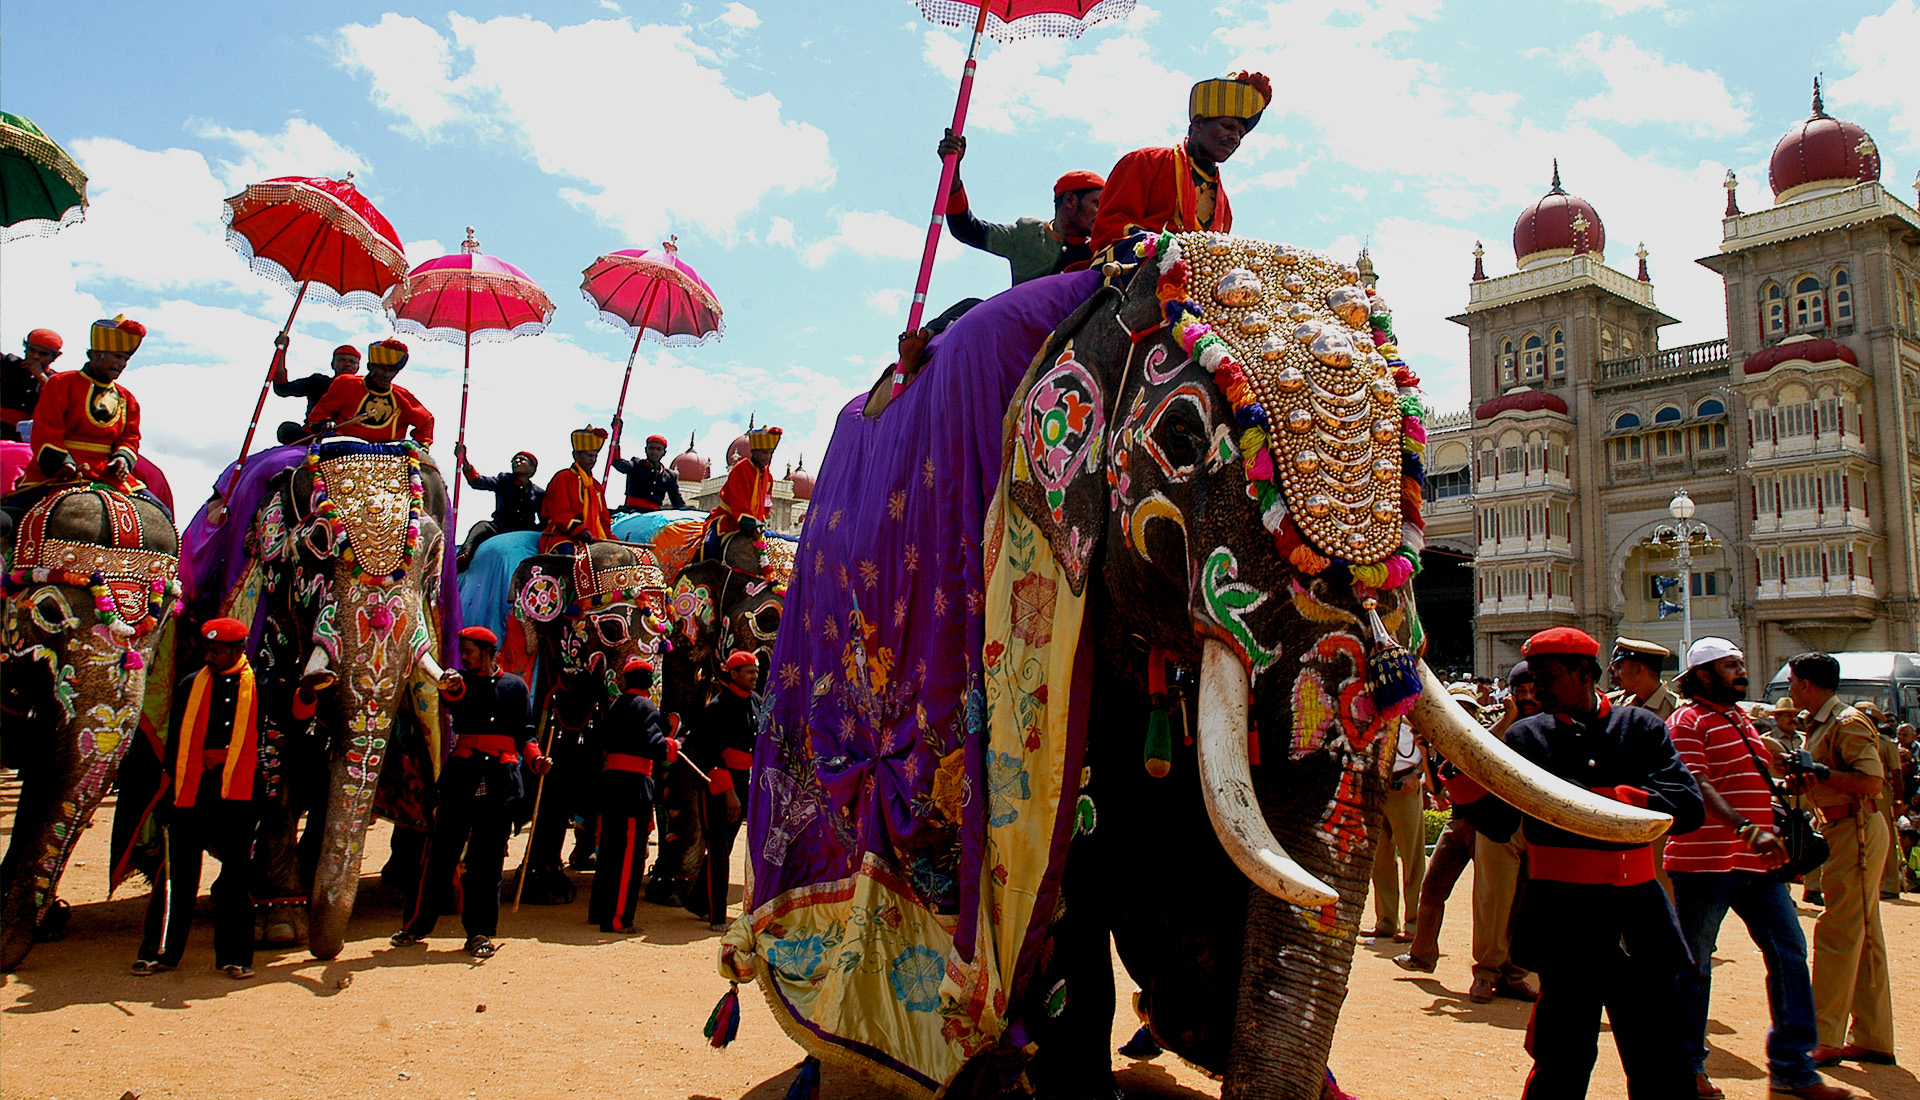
723,1024
1159,748
806,1083
1393,673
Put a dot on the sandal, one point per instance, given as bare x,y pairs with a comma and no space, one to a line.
480,947
237,972
404,938
149,967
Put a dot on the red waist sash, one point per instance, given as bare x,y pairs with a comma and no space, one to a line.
628,762
738,759
1592,867
491,744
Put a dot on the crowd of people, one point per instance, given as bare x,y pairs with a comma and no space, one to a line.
1633,929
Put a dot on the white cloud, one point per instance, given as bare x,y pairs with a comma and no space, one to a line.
868,233
1644,87
780,232
890,302
556,91
1628,7
299,149
740,17
1880,51
410,66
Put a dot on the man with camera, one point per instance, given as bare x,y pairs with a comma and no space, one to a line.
1727,864
1840,771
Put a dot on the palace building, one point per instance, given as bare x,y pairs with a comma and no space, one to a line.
1796,436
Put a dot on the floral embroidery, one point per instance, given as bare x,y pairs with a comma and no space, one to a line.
916,974
1032,612
1006,780
796,960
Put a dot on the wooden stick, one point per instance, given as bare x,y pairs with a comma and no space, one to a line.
544,734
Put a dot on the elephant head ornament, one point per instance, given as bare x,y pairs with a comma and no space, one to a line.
92,587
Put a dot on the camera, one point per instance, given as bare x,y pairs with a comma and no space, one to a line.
1801,762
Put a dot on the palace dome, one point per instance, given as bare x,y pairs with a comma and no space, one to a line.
1520,400
802,482
1821,154
1799,348
690,467
1558,225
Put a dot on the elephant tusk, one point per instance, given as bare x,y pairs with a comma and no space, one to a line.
317,662
1527,786
431,667
1227,783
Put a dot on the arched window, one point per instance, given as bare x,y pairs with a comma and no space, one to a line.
1626,448
1775,305
1533,357
1842,297
1710,407
1667,442
1711,435
1606,342
1809,304
1626,345
1666,415
1626,420
1558,352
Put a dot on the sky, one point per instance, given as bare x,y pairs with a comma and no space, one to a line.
789,148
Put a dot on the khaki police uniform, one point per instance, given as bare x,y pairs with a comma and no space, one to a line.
1849,945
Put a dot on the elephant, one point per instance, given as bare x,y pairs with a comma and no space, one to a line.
92,591
715,606
574,621
1200,496
352,556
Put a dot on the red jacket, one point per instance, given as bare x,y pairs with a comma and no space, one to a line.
574,508
389,416
86,421
748,492
1154,189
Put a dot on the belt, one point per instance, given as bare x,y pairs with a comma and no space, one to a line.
1841,810
1591,866
738,759
490,744
628,762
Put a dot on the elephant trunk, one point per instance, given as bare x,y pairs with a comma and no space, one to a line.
353,779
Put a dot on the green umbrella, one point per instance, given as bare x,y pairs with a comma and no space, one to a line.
42,190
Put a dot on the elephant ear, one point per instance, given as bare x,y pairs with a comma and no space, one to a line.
1057,454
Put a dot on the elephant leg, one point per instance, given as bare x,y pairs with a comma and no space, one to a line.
349,812
1071,1014
275,874
31,870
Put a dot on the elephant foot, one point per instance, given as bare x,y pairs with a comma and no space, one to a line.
280,925
54,927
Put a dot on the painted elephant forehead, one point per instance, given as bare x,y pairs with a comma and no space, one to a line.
374,503
1300,326
861,795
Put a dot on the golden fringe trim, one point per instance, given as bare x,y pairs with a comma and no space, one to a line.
833,1055
45,152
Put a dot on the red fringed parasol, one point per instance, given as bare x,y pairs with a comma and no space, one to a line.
651,293
317,237
469,296
1003,21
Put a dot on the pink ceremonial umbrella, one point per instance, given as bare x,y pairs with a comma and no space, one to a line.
466,297
651,293
1003,21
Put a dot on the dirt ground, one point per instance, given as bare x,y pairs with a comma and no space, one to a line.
566,1010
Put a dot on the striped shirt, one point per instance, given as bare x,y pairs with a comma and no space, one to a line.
1713,743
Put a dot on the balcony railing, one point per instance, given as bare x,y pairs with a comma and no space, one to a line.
1665,365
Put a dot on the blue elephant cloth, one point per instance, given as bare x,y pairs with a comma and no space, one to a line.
869,810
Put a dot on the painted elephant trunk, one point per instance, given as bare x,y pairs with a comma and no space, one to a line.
354,776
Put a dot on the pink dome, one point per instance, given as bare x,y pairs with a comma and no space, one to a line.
1812,351
1529,401
802,482
689,466
1558,222
1822,151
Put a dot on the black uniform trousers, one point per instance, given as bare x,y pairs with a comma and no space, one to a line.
626,817
473,821
220,827
721,834
1612,947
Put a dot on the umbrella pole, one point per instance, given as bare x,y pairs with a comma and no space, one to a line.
466,364
949,167
621,406
261,404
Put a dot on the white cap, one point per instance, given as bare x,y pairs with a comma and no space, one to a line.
1708,650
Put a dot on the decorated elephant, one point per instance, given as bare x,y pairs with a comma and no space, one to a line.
91,592
573,622
1112,638
352,563
716,606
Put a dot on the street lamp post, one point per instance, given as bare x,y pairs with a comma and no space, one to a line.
1681,533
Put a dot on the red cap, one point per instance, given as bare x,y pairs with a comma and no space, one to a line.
480,634
224,630
45,338
660,439
1077,180
739,658
347,349
637,664
1561,640
529,456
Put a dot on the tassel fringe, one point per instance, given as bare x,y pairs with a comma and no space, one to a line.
806,1083
723,1023
1393,673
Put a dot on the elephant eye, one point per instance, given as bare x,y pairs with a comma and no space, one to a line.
1182,438
612,629
766,621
